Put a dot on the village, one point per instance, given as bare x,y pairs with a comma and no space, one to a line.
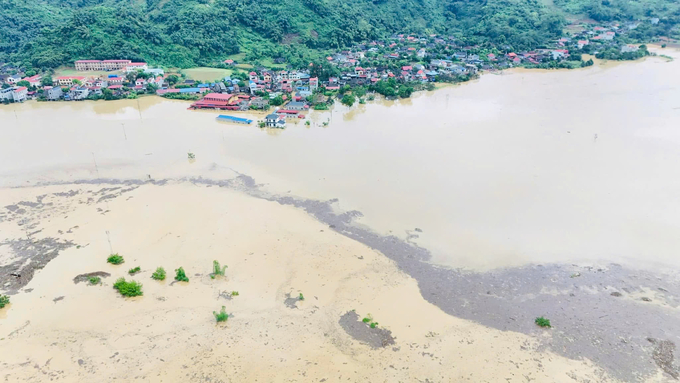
392,68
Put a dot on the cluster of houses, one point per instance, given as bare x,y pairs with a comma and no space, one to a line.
72,88
404,58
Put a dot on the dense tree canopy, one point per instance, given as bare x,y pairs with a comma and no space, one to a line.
184,33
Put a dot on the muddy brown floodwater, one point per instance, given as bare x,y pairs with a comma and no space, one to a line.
523,194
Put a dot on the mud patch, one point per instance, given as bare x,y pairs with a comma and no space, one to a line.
663,356
291,302
29,256
374,337
86,277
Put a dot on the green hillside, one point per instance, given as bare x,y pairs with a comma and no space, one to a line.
185,33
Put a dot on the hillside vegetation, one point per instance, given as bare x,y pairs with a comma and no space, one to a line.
185,33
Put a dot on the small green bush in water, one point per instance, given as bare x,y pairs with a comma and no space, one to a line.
221,316
217,270
234,293
180,275
543,322
128,289
301,297
95,280
159,274
134,271
115,259
4,301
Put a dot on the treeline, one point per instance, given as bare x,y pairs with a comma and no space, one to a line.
184,33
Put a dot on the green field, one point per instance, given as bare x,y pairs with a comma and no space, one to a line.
206,74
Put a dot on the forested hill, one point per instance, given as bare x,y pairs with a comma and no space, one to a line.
183,33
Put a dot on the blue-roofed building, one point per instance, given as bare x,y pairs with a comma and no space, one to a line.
239,120
190,90
204,85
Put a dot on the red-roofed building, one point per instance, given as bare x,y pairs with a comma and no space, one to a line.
229,62
218,97
133,67
20,94
88,65
68,80
33,80
407,68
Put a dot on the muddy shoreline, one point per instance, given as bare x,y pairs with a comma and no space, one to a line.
624,320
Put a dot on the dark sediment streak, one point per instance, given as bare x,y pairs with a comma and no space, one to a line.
597,313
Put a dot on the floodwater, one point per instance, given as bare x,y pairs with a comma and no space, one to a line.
523,167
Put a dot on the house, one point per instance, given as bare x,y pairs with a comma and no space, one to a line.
155,72
259,103
274,121
253,76
133,67
33,80
582,43
559,54
13,79
77,93
20,94
297,105
6,94
116,80
313,84
68,80
629,48
229,62
140,82
219,87
53,93
101,83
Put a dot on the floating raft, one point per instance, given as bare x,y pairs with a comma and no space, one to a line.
238,120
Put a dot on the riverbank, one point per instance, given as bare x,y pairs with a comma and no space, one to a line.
273,252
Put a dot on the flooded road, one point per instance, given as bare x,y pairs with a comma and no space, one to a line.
523,167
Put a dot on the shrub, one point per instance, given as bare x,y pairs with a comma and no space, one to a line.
217,270
369,321
543,322
115,259
95,280
191,156
128,289
301,297
234,293
180,275
134,271
159,274
4,301
221,316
